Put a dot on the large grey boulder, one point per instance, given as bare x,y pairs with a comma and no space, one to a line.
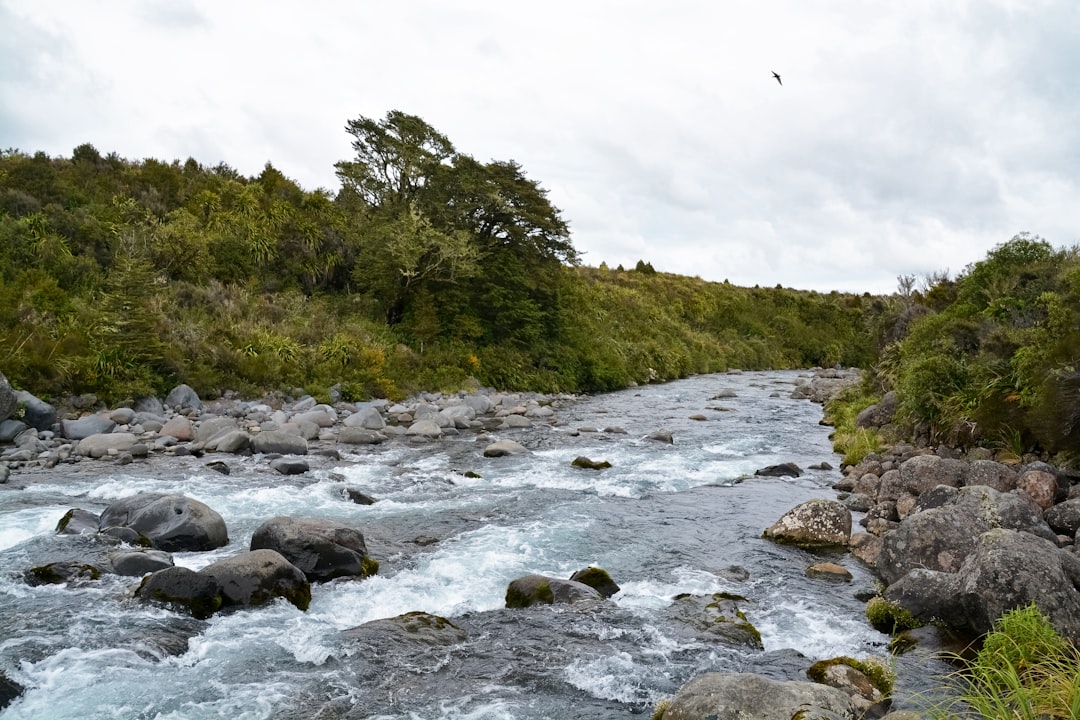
279,441
8,401
100,445
541,589
323,549
368,418
183,397
748,696
84,427
992,474
179,427
880,414
174,523
257,577
1005,569
1064,517
502,448
136,563
814,523
923,472
38,413
941,537
183,589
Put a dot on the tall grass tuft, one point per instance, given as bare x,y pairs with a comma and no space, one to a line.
1025,670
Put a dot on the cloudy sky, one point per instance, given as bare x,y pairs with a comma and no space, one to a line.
906,138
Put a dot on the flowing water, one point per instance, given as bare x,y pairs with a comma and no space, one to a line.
663,521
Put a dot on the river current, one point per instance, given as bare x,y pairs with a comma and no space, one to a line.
664,520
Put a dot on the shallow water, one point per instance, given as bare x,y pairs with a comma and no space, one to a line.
663,521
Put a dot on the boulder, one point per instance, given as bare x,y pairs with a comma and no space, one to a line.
63,572
511,422
880,414
1064,518
37,413
585,463
100,445
183,589
857,679
661,436
8,401
183,397
10,429
318,417
1005,569
598,579
290,466
77,521
136,563
179,427
211,427
814,523
358,496
278,441
368,418
229,441
534,589
410,629
424,429
782,470
1041,486
941,537
923,472
255,578
174,523
322,549
742,696
991,474
360,436
716,617
502,448
9,689
84,427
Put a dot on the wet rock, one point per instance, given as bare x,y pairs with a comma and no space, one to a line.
661,436
865,683
585,463
174,523
359,497
717,616
290,466
511,422
278,441
9,689
781,470
829,571
502,448
540,589
77,521
598,579
100,445
183,589
58,573
255,578
322,549
413,628
136,563
218,466
739,696
814,523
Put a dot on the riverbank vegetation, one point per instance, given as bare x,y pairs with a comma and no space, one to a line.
426,269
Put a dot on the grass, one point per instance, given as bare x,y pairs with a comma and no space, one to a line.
1024,671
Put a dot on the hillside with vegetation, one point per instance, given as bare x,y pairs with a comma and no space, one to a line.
426,269
989,359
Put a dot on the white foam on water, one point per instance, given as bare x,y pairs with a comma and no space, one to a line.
615,677
815,630
654,594
21,525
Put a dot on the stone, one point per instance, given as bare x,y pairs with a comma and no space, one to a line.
100,445
174,523
84,427
829,571
359,497
368,418
587,464
1041,486
991,474
511,422
716,616
278,441
424,429
122,416
77,521
183,397
322,549
814,523
1064,518
360,436
598,579
181,428
290,466
923,472
782,470
255,578
136,563
183,589
36,413
8,401
741,696
661,436
502,448
534,589
412,628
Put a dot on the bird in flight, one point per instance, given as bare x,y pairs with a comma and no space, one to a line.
777,77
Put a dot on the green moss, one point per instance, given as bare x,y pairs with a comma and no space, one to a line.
901,643
880,675
516,598
890,618
368,567
661,708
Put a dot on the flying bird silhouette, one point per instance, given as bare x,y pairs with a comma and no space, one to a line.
777,77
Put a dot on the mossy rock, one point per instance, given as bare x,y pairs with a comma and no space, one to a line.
368,567
583,462
598,579
661,708
523,593
879,674
890,618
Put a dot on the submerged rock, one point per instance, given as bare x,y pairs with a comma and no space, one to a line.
418,628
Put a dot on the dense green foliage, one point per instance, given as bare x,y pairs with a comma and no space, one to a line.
1024,669
990,358
427,268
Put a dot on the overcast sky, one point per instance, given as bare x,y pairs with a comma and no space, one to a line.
907,137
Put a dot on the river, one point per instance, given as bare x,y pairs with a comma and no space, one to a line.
664,520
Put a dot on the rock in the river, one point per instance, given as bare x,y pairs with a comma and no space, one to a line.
183,588
662,436
598,579
717,616
257,577
410,629
9,689
788,469
279,441
173,523
77,521
62,572
533,589
748,696
290,466
100,445
136,563
583,462
502,448
358,496
865,683
323,549
814,523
